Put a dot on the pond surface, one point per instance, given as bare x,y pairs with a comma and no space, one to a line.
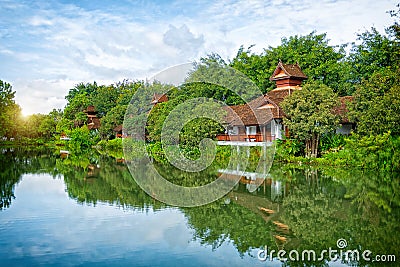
87,210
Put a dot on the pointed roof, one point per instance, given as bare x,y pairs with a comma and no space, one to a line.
90,109
118,128
284,71
159,98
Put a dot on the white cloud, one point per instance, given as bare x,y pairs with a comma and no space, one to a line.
64,44
41,95
185,42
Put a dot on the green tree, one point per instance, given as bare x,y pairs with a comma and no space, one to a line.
309,114
126,91
105,98
48,125
76,105
316,57
32,125
9,110
376,52
112,119
81,88
394,30
376,105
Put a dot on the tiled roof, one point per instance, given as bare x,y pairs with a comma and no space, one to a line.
159,98
118,128
90,109
247,114
264,108
290,71
94,123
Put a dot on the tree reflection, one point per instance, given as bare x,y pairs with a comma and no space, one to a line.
309,208
17,161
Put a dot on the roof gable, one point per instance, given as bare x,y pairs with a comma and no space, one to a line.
284,71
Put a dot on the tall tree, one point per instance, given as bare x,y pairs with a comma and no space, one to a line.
105,98
316,57
376,105
309,114
112,119
375,53
9,110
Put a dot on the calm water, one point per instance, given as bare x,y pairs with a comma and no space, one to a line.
86,209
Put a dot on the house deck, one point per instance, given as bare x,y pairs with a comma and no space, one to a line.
243,143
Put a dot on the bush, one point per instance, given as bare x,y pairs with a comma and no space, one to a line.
332,142
82,137
287,150
380,152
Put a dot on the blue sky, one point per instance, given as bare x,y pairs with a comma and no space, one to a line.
46,47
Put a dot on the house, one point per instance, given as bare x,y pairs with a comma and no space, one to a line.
93,122
261,120
118,131
346,126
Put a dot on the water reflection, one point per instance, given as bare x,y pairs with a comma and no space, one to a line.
290,208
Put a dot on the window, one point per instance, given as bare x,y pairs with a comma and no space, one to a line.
250,130
234,130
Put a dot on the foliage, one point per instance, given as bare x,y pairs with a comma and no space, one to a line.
110,102
332,141
105,98
318,60
74,109
112,119
309,114
9,111
375,53
394,30
110,145
288,149
82,138
40,126
380,152
376,105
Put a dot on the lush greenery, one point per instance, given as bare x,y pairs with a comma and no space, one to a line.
309,114
367,69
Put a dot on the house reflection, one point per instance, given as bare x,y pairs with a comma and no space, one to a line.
263,184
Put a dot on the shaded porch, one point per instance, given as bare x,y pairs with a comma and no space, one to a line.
254,133
259,137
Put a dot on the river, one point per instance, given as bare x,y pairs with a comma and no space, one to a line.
87,210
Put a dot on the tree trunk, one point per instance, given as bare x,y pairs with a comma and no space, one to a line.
308,148
312,146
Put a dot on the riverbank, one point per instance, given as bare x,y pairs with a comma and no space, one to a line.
380,152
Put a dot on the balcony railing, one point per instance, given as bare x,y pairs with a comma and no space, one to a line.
246,137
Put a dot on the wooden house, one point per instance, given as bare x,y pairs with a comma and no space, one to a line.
118,131
261,120
93,122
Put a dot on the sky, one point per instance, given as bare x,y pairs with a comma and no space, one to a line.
49,46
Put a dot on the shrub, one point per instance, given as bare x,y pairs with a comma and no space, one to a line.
82,137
